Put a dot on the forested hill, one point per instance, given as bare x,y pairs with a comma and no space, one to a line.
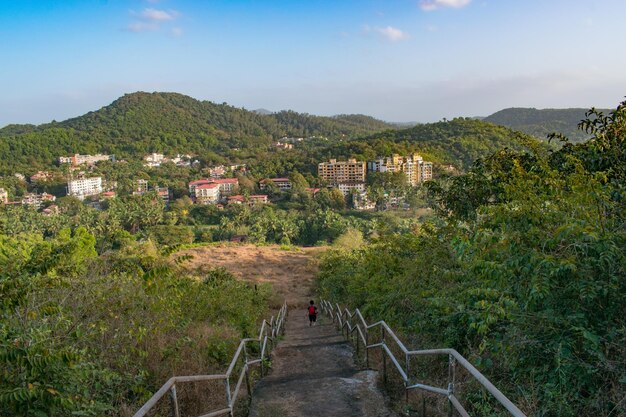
139,123
541,122
458,142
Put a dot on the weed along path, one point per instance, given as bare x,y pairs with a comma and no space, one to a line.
314,374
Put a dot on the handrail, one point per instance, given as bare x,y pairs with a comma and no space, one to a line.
343,319
276,326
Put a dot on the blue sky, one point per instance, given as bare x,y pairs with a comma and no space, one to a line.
396,60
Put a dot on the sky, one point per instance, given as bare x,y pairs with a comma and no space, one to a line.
397,60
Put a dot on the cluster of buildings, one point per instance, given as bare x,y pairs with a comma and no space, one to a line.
29,199
142,187
414,167
349,176
76,159
156,159
221,191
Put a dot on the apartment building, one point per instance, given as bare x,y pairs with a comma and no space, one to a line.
336,172
4,196
84,187
77,159
208,193
415,168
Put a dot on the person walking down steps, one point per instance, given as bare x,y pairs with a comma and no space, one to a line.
312,313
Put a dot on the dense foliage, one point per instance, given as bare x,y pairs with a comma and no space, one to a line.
93,320
540,123
523,273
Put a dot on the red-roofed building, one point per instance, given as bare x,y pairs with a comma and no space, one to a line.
108,194
227,185
283,184
313,190
258,198
207,193
236,199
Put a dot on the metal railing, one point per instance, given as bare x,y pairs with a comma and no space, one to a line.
362,332
269,332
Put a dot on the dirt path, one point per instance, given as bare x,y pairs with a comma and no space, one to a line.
291,272
313,370
314,374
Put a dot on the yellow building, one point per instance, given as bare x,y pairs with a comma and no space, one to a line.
341,172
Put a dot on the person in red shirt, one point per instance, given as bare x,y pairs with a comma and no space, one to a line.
312,313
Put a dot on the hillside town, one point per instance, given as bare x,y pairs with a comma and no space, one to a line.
220,186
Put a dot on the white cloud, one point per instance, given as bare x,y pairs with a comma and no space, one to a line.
157,15
150,19
429,5
390,33
142,27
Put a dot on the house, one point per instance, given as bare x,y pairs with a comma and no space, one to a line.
313,191
283,184
236,199
258,199
4,196
41,176
108,194
51,210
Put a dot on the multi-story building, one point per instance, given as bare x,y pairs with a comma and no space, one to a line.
141,187
208,193
4,196
415,168
84,187
225,186
77,159
335,172
348,188
164,193
283,184
36,200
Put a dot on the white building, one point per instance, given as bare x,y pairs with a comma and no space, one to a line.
348,188
84,187
207,193
36,200
4,196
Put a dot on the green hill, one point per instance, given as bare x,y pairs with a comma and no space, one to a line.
140,123
541,122
458,142
170,123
